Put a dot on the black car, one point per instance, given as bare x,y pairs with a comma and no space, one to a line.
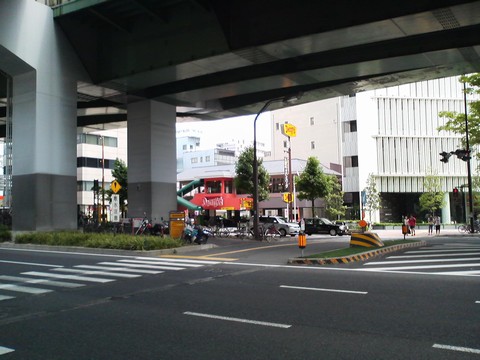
323,226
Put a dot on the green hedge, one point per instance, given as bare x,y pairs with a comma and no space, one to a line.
105,241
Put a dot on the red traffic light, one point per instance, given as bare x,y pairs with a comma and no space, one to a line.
455,191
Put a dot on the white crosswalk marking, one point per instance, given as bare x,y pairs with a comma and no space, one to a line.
97,272
143,266
71,277
23,289
126,269
459,260
40,281
102,272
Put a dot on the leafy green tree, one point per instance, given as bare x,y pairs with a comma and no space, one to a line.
244,175
456,121
334,200
372,197
313,183
120,173
433,197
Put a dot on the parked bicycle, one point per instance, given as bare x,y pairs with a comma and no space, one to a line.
466,228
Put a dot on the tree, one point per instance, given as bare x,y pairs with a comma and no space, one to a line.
244,175
433,198
313,183
372,197
120,173
334,200
456,121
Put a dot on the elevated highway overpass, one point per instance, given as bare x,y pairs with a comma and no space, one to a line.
131,60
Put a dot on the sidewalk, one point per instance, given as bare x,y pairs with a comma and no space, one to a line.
397,234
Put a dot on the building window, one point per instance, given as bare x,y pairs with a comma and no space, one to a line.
207,158
194,160
201,159
350,126
350,161
228,187
184,147
191,147
285,144
94,163
312,145
312,121
213,187
93,139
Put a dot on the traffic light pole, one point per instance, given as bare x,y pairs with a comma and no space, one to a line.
469,171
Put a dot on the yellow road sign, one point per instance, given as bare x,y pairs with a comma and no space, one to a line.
115,186
289,130
287,197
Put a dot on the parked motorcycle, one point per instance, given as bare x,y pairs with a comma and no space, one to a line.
196,234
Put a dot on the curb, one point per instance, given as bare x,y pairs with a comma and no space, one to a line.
357,257
183,250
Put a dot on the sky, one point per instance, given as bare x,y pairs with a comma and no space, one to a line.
238,128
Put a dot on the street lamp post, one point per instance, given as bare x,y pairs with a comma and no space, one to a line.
255,160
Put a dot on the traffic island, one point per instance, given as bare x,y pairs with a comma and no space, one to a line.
362,256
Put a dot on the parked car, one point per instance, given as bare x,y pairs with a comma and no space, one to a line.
323,226
343,226
283,226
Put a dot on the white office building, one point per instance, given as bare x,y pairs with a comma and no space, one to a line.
390,133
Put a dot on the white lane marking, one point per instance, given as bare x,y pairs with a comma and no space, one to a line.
470,272
23,289
27,263
477,302
40,281
5,350
165,263
97,272
247,321
457,348
429,256
206,262
110,268
5,297
327,290
419,261
420,267
70,277
143,266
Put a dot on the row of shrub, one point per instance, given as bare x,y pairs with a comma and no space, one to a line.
94,240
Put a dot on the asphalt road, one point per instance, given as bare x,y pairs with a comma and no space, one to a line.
228,303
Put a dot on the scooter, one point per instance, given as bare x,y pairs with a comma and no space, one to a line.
196,234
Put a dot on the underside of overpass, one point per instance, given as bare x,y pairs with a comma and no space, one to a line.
158,62
214,59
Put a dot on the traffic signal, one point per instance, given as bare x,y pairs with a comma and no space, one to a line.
445,156
462,154
455,192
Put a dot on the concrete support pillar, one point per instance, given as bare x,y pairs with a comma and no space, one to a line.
152,167
44,71
446,216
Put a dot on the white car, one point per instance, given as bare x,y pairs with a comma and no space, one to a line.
283,226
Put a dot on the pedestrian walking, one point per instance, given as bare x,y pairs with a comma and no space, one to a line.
431,222
438,222
412,222
405,222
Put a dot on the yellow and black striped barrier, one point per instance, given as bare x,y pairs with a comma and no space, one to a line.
366,239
